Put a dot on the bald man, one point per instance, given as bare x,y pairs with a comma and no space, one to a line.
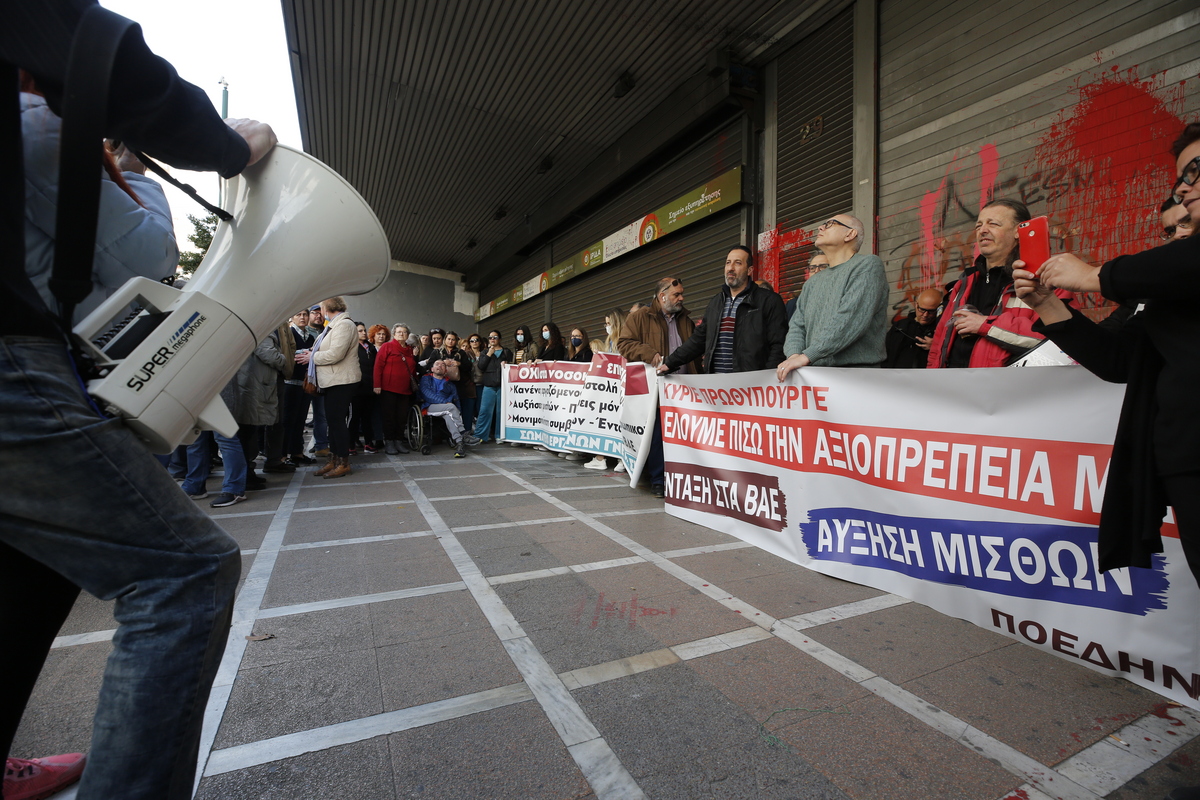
841,317
908,339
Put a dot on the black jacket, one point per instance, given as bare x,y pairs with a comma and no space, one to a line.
149,106
492,367
1157,355
366,363
758,333
903,352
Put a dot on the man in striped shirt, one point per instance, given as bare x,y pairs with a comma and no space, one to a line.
743,326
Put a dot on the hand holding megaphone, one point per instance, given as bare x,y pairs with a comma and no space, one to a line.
257,134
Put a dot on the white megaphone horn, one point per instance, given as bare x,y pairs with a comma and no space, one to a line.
300,233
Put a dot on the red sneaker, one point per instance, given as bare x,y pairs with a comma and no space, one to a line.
35,778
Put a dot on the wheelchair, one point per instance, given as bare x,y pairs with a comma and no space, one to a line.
423,431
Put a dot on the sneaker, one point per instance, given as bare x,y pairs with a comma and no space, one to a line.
370,448
227,499
198,495
620,467
596,463
471,441
34,778
574,456
461,452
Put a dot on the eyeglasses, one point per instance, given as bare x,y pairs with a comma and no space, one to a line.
493,337
926,310
1189,175
473,341
1168,233
829,223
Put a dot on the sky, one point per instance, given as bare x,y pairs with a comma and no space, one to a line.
241,41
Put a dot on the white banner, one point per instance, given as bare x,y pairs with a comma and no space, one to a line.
975,492
606,407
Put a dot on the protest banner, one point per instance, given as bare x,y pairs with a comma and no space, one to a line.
975,492
605,407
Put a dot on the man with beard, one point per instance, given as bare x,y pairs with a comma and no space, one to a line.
743,327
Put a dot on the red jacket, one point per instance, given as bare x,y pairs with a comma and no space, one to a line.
395,368
1007,333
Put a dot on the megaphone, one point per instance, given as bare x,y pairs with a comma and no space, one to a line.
299,233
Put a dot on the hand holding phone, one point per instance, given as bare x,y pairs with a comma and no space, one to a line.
1034,238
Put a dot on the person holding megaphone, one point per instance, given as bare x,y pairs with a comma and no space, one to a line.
85,504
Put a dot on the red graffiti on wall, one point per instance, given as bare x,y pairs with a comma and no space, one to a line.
776,246
1099,172
1120,134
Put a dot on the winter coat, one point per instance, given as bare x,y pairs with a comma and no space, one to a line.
645,335
253,394
337,363
131,240
436,390
395,368
759,331
1007,334
367,355
492,367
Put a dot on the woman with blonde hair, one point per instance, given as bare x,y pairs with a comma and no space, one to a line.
333,367
614,320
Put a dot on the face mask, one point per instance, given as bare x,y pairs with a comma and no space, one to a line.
546,335
520,337
608,329
576,341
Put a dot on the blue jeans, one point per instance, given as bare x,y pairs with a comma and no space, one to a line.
198,460
489,413
470,406
85,505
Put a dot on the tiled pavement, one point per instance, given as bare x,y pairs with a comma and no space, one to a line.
511,625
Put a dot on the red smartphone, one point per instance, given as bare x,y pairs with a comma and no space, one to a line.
1034,237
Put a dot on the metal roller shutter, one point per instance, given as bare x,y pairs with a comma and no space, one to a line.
536,264
696,255
707,159
1072,111
815,159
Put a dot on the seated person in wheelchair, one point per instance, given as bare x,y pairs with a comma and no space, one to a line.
439,398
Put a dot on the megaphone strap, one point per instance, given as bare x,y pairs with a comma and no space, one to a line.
187,189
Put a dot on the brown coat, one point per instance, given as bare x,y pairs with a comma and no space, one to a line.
644,335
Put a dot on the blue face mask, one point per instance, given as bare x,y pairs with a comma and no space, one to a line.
520,337
546,335
576,341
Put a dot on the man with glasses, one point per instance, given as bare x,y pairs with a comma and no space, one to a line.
841,317
1176,223
650,333
984,323
908,339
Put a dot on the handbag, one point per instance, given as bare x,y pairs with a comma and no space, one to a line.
310,387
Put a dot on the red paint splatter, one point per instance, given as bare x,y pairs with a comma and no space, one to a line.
929,229
1112,150
1163,711
773,245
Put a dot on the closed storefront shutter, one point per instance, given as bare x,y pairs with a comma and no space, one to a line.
815,137
697,251
1070,107
696,255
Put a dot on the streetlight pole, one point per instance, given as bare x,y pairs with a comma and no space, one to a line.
224,84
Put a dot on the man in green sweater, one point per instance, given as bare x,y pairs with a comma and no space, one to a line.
841,319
